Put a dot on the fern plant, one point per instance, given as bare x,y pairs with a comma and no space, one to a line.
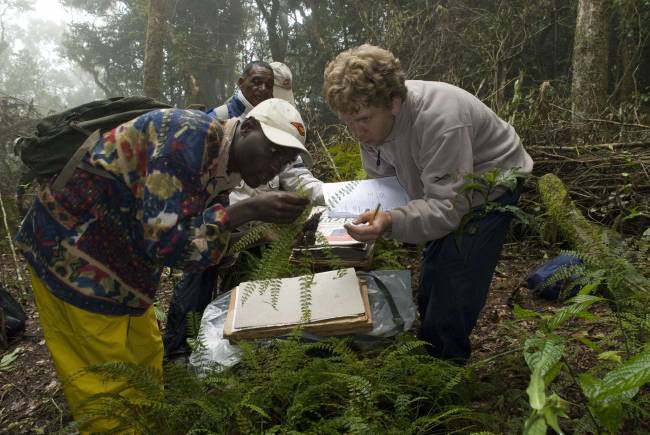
293,386
265,274
606,274
545,355
274,264
254,234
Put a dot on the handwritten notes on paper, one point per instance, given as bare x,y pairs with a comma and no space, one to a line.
362,195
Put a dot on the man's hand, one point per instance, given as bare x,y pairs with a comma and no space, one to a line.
382,223
270,237
273,207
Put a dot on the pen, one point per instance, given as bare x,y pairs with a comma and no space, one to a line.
374,214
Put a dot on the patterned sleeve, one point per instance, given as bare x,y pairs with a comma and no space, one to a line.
171,193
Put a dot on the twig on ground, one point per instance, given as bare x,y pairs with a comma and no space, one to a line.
327,153
11,246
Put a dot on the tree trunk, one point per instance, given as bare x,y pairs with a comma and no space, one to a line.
153,53
277,25
631,34
629,63
205,90
590,48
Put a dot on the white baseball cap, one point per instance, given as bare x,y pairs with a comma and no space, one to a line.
282,125
282,82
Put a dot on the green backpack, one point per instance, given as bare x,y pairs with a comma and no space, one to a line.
57,137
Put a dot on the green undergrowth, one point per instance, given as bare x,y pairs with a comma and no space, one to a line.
293,386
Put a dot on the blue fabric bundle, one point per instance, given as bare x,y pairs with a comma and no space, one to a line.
537,280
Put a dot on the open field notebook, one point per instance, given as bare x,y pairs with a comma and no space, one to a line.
345,201
348,199
334,241
339,305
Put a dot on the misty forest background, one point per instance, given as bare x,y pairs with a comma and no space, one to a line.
572,76
517,56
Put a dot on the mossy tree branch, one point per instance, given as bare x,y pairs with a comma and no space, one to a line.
623,280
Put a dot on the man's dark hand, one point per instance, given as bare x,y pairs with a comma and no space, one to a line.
272,207
278,207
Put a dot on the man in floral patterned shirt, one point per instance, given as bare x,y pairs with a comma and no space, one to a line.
97,246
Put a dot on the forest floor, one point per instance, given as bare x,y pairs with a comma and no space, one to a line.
31,398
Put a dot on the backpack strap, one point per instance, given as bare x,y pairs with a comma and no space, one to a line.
75,161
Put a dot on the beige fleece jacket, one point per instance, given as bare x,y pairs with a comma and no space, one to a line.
440,134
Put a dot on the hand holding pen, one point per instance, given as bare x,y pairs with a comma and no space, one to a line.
378,222
374,214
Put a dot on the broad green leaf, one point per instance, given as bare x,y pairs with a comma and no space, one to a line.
523,313
550,375
551,419
535,390
586,315
543,353
578,304
588,289
626,379
606,396
610,355
552,411
535,425
590,344
8,360
590,385
472,186
611,416
584,299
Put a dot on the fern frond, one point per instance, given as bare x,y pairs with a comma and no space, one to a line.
405,348
359,388
577,304
193,323
253,235
402,404
321,346
256,409
428,423
306,282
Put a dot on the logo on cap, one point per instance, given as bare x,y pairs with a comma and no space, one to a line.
299,127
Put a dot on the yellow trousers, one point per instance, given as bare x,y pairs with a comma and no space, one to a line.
77,338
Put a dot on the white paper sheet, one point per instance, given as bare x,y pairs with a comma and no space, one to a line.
365,196
331,298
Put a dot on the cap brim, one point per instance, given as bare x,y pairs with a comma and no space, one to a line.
285,139
285,94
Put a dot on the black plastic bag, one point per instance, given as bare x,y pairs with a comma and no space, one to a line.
13,316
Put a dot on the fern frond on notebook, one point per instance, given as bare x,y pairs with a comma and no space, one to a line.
337,303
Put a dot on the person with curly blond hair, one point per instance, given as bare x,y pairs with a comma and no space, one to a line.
433,136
